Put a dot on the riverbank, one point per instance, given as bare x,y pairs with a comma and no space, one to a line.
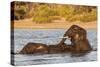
57,24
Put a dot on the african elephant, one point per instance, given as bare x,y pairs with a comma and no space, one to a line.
34,48
79,41
56,48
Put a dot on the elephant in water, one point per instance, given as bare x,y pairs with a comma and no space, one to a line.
78,37
34,48
79,43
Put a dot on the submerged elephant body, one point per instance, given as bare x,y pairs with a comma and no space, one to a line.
34,48
79,44
38,48
54,49
58,48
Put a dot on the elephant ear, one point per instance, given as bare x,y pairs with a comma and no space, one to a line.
82,35
79,37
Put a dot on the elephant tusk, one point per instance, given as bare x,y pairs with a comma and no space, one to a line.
65,37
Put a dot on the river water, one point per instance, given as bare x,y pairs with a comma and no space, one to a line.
49,36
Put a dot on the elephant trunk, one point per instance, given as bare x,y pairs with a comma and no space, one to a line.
65,36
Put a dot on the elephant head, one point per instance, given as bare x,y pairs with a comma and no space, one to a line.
78,37
74,32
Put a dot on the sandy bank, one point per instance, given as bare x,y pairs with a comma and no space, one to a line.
29,24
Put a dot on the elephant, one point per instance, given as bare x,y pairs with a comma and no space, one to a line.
39,48
54,49
34,48
78,37
79,43
59,48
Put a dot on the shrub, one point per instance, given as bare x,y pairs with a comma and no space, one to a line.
92,16
44,14
65,10
42,19
20,12
83,17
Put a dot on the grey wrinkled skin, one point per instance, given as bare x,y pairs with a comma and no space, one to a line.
34,48
79,44
79,39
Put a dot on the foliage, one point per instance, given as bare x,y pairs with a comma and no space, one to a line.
82,15
92,16
43,13
21,11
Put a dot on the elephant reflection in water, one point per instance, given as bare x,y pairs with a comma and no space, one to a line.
79,43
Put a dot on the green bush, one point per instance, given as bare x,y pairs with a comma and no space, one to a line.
65,10
42,19
44,14
21,10
92,16
83,17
